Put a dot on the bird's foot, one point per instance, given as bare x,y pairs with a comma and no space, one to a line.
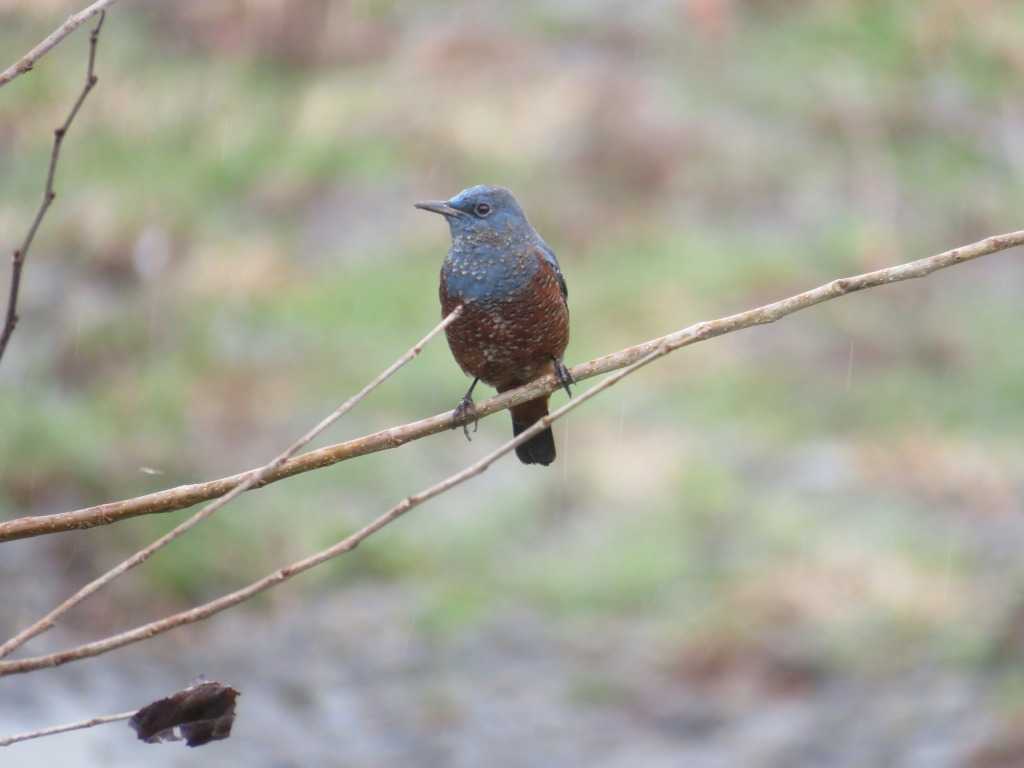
465,412
564,377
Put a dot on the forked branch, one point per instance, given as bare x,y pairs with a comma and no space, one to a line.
18,260
628,361
28,61
244,484
186,495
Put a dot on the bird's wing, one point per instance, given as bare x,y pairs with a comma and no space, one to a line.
549,256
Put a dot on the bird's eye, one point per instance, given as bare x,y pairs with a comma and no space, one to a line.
482,209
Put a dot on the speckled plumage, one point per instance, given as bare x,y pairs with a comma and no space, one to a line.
515,321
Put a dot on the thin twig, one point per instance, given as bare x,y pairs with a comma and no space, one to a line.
187,495
18,260
652,350
6,741
247,482
26,62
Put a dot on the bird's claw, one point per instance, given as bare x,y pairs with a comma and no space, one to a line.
564,377
465,412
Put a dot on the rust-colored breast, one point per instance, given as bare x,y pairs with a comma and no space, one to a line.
509,339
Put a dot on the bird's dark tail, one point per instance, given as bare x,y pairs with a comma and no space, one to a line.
539,449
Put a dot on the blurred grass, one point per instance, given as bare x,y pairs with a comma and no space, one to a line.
681,169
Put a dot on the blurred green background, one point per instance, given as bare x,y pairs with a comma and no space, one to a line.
809,517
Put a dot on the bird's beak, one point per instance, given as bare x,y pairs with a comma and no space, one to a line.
438,206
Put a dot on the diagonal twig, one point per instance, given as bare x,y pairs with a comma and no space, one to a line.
18,260
247,482
643,355
7,741
26,62
187,495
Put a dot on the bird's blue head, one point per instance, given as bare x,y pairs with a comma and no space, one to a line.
480,209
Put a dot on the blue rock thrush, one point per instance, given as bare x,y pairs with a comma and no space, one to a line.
514,325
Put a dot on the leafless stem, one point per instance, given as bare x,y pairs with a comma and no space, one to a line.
247,481
26,62
18,260
638,357
187,495
6,741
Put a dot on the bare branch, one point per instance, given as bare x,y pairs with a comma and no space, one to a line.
6,741
640,355
18,260
187,495
26,62
247,482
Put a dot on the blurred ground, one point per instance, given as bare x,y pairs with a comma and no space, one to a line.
797,545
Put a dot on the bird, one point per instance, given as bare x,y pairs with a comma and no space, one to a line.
514,325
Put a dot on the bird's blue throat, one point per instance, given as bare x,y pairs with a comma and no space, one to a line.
475,271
